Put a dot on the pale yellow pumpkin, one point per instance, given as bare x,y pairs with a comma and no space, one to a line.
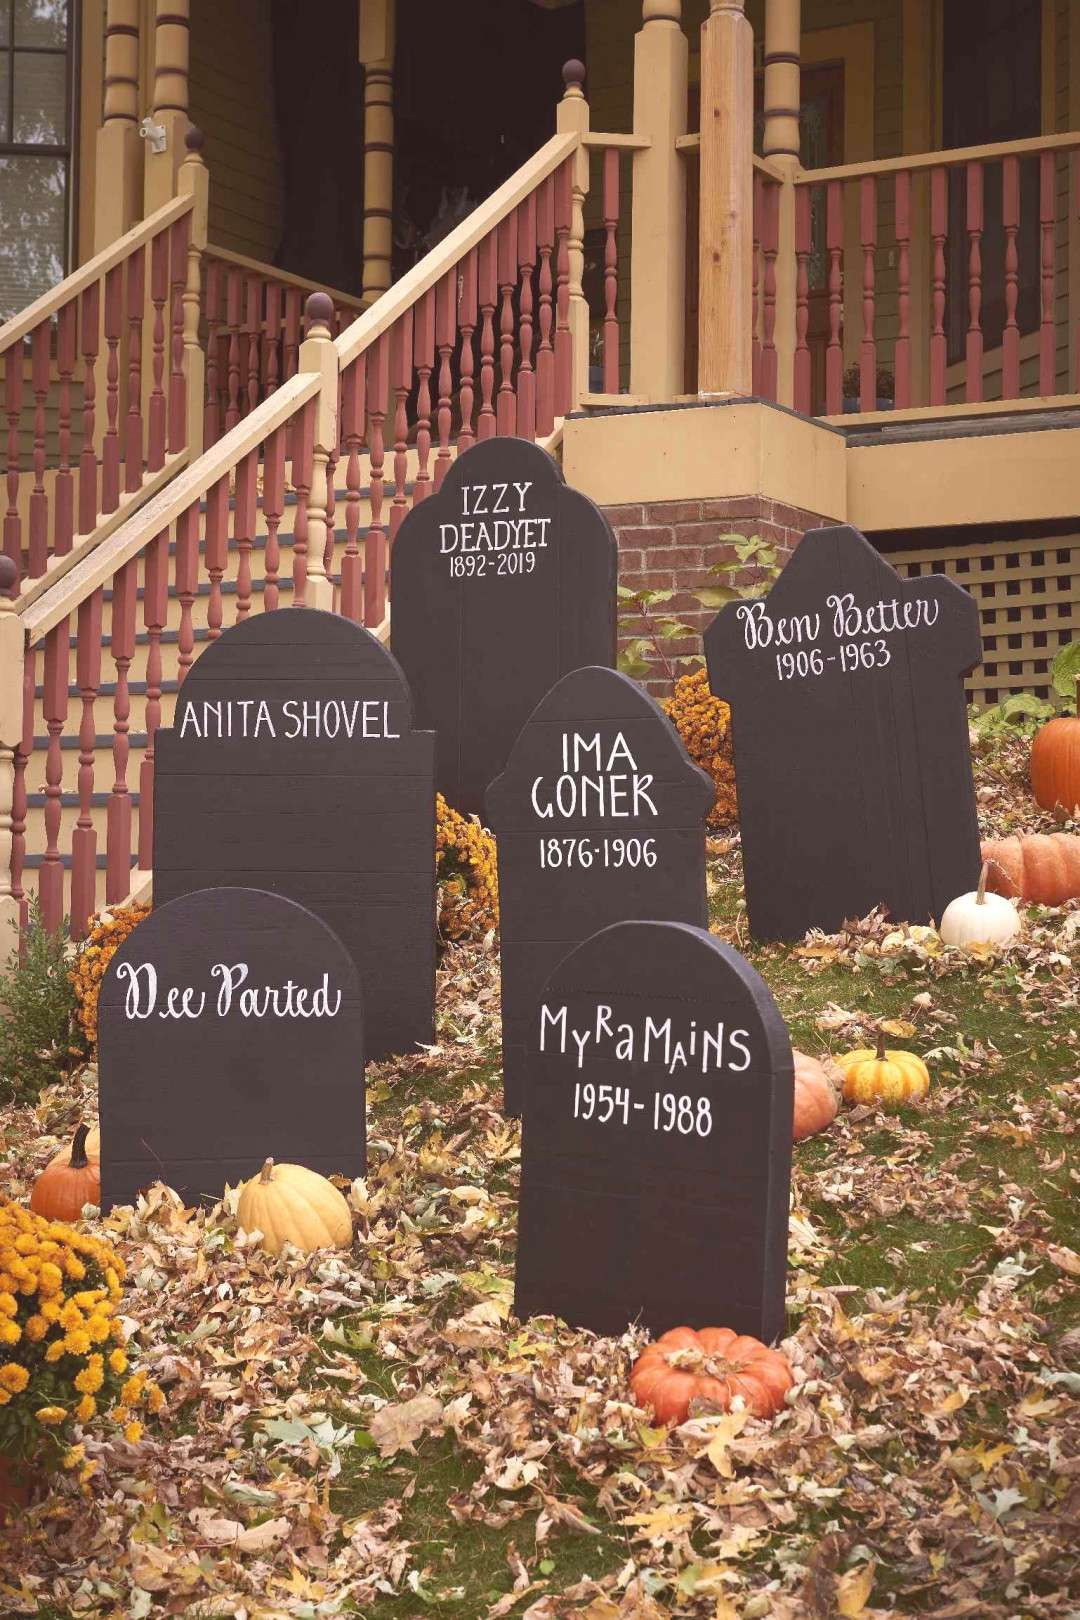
890,1078
288,1203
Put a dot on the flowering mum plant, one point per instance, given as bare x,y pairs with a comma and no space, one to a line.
108,931
466,873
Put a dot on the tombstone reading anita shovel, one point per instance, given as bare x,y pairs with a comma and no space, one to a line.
230,1030
501,582
293,766
599,816
656,1144
850,734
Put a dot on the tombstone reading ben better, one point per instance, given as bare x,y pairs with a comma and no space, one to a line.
230,1030
656,1145
500,583
598,816
850,734
293,766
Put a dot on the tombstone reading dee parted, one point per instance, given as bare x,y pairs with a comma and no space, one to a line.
656,1142
500,583
292,765
599,817
850,733
230,1030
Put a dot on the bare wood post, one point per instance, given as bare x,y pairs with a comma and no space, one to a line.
118,148
377,56
172,50
725,252
11,727
658,237
783,95
194,181
317,353
573,118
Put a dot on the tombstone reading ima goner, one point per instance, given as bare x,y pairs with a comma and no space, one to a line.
501,582
656,1146
292,765
230,1030
850,733
599,816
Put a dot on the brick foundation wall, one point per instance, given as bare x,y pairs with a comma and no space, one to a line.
673,545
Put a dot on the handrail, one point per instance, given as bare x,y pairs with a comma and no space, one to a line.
271,271
692,143
950,157
452,249
22,324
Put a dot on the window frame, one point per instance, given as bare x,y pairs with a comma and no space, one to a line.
68,151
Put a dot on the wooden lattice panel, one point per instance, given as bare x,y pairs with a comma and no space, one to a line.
1028,592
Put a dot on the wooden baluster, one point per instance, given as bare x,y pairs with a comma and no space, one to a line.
290,357
331,508
273,505
273,336
38,527
973,346
84,835
445,328
770,247
1010,219
110,448
834,353
506,256
233,290
545,353
375,542
902,356
244,510
217,551
1047,333
253,336
118,821
212,419
155,610
64,488
133,422
424,360
564,343
54,708
178,252
868,243
939,229
467,311
488,293
353,409
302,450
89,315
13,391
802,300
159,290
186,574
23,755
526,380
611,270
401,348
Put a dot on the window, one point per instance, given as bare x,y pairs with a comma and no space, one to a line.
35,148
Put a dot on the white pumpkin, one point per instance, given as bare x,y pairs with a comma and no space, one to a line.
980,918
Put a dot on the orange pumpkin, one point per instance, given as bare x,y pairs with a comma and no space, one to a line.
68,1183
1055,763
1043,867
816,1099
714,1366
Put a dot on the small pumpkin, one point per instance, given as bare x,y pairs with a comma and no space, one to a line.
880,1076
288,1203
816,1101
1041,867
67,1183
1055,763
713,1365
980,918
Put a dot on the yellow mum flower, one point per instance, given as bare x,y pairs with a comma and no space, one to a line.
74,1456
8,1304
50,1415
50,1310
55,1350
10,1332
4,1397
99,1327
89,1381
86,1409
133,1389
52,1278
14,1378
133,1433
71,1317
155,1400
35,1328
118,1362
77,1343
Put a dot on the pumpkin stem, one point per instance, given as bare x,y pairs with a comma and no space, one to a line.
267,1171
879,1055
77,1157
980,892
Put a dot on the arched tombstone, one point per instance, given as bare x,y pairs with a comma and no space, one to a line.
500,583
850,733
656,1148
230,1030
599,816
292,765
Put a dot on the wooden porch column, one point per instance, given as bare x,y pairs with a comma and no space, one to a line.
572,117
172,50
377,19
725,252
783,99
118,148
658,236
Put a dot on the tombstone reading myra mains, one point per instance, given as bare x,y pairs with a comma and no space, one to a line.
599,817
500,583
656,1149
230,1030
293,766
850,733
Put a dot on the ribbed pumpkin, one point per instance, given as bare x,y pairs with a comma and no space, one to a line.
980,918
885,1077
1043,867
713,1365
288,1203
67,1183
816,1101
1055,763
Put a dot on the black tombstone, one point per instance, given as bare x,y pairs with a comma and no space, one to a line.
656,1147
230,1030
500,583
599,817
293,766
850,735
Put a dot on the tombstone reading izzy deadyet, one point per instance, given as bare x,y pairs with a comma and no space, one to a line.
230,1030
656,1145
850,734
293,766
599,816
500,583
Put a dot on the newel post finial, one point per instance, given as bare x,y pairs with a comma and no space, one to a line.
573,74
661,11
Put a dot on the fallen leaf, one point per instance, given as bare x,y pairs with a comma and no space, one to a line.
397,1425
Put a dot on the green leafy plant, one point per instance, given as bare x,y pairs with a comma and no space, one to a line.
1065,677
40,1041
1023,713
